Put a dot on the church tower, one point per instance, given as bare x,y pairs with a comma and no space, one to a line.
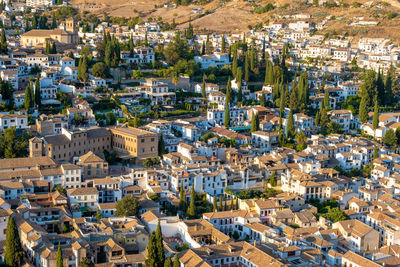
71,25
35,147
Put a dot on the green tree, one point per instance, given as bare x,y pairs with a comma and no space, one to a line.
376,151
375,118
326,99
13,254
3,43
380,89
390,138
203,88
83,70
363,111
324,120
191,212
239,83
262,100
38,97
176,261
223,44
368,87
100,70
160,246
28,98
220,204
272,180
246,68
317,120
98,215
335,214
227,118
269,73
234,60
127,206
152,251
168,262
182,199
389,97
255,123
290,131
86,262
59,257
161,145
53,48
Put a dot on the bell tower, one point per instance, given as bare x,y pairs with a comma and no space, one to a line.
70,25
35,147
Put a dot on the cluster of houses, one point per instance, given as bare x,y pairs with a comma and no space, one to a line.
66,192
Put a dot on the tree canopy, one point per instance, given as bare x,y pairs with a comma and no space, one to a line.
127,206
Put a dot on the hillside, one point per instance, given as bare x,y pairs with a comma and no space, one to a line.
237,16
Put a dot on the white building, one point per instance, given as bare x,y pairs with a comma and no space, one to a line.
13,120
215,60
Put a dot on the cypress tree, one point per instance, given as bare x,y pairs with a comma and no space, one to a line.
28,97
262,100
234,61
239,83
246,67
326,99
237,203
380,88
53,48
191,212
83,70
324,118
3,43
225,206
13,254
375,118
203,87
232,206
254,127
368,88
182,199
228,90
54,23
290,131
160,246
388,89
176,261
363,111
272,180
152,253
47,49
168,262
108,54
252,59
59,257
282,103
227,118
203,48
376,153
223,44
220,203
293,99
317,119
38,98
269,73
161,145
